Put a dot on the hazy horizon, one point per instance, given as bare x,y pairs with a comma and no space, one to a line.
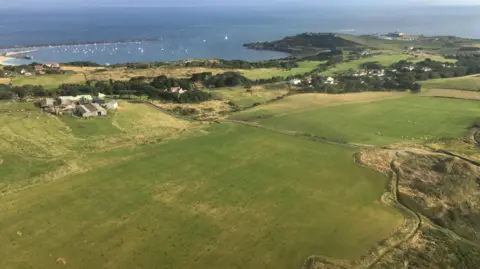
220,3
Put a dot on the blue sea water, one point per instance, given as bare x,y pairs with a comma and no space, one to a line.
189,32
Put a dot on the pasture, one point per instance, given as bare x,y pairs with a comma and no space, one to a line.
265,73
49,81
469,83
30,140
383,59
257,94
234,197
383,122
460,94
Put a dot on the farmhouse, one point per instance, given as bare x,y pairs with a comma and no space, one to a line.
90,110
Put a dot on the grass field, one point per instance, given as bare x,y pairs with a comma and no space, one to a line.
257,94
382,122
472,95
237,197
470,83
383,59
30,137
265,73
49,81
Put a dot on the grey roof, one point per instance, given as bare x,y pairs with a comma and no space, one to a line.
90,107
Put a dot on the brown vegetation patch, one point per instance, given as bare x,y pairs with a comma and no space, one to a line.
377,159
62,260
206,111
1,161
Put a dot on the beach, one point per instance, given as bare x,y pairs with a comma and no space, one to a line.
9,57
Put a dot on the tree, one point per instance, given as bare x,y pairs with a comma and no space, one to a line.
416,88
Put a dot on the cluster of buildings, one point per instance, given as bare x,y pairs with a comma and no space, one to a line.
84,106
40,69
308,81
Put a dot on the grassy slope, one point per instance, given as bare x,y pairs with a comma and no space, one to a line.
264,73
470,83
397,120
33,144
238,197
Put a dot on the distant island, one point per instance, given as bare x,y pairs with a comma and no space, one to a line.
314,43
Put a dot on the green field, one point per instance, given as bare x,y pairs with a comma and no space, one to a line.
229,196
258,94
379,122
383,59
469,83
49,81
265,73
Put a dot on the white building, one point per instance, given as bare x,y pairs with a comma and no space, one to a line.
330,81
295,82
426,69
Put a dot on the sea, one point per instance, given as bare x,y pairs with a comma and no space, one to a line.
206,32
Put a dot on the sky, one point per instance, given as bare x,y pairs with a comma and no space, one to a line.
76,3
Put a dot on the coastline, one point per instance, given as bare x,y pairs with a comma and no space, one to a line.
7,58
34,47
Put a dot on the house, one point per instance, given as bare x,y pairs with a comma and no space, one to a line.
175,89
396,34
181,91
295,82
426,69
113,105
23,71
379,73
409,67
27,74
88,110
47,102
39,69
308,80
330,81
55,66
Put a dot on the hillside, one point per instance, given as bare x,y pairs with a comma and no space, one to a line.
306,42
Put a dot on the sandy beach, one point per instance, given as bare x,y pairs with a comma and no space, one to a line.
10,56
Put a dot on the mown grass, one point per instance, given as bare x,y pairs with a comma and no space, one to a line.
265,73
470,83
382,122
237,197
